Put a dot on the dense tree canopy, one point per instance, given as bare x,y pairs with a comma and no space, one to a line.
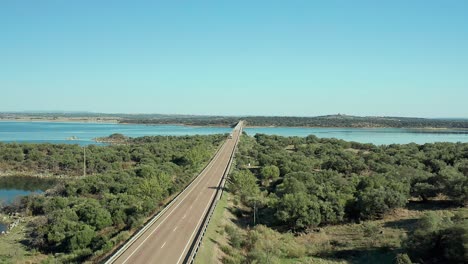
292,121
311,181
338,120
439,239
84,217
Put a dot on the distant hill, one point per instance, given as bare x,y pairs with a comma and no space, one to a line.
357,121
337,120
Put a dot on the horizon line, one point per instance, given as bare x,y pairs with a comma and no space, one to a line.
216,115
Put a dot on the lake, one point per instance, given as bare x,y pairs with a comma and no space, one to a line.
376,136
12,187
54,132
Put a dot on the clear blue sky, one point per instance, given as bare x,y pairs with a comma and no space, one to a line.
401,57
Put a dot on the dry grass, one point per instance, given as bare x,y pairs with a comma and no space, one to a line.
215,239
12,249
378,240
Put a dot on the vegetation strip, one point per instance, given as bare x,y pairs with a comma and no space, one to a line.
157,216
337,120
219,192
299,200
83,218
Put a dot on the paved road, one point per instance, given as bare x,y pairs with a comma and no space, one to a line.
168,240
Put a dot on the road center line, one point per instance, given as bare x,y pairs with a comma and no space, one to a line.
180,202
163,245
199,221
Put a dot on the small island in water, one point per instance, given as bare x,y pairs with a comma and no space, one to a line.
115,138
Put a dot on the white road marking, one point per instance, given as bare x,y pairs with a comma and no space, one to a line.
184,216
173,209
197,226
201,177
174,229
163,245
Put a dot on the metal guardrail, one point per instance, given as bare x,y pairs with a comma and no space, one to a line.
202,231
137,235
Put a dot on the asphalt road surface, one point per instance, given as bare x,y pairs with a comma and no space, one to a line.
168,239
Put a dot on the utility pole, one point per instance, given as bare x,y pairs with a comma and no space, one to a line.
84,161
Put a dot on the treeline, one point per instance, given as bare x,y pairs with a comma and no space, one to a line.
295,184
185,120
65,159
85,217
319,121
338,120
356,121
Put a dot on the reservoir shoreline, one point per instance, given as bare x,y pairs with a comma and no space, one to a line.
85,133
116,121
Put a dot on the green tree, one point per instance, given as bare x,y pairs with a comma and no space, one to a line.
299,210
378,194
403,259
264,245
92,213
244,183
269,174
80,238
454,184
439,240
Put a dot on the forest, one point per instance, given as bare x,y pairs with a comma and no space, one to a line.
318,121
287,191
295,185
67,159
337,120
83,218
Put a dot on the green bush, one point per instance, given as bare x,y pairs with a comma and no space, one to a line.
235,237
439,240
94,213
402,259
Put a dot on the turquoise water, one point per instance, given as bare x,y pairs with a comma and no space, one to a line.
377,136
11,188
8,196
51,132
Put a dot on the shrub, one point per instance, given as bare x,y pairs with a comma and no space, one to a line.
402,259
439,240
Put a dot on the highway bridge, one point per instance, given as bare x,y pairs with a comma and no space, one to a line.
172,234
